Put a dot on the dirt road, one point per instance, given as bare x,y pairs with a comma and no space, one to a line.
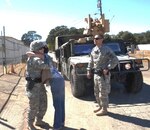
126,111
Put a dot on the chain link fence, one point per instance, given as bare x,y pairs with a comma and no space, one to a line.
12,53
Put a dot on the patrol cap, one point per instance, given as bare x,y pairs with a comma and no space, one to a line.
100,36
37,45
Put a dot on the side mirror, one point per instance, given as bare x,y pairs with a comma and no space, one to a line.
132,49
128,49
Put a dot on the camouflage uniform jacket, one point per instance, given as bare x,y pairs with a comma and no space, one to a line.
34,67
102,58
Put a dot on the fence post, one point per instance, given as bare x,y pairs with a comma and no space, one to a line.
4,50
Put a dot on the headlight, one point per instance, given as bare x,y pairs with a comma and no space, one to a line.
128,66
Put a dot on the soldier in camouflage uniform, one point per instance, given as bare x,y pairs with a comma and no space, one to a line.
35,89
57,85
102,60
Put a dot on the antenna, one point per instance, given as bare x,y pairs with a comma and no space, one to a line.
99,6
112,18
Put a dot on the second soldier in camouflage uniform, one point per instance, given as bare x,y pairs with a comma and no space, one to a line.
102,60
35,89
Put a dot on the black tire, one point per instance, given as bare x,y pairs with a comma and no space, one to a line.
77,85
134,82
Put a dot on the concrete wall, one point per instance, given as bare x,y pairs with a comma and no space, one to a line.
15,49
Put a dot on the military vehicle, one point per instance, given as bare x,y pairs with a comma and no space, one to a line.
73,58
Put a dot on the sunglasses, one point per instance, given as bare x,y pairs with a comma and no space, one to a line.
98,38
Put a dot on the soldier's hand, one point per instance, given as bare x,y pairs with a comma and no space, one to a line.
105,71
40,55
88,75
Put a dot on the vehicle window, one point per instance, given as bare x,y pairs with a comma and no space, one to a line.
82,49
114,46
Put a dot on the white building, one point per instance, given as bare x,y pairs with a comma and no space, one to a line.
143,47
11,50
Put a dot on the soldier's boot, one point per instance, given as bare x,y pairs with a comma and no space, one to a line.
31,127
41,124
102,112
97,109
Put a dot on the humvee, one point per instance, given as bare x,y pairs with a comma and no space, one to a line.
73,58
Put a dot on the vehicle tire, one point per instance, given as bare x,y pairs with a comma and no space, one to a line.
134,82
77,85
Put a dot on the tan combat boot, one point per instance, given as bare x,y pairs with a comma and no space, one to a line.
31,127
102,112
41,124
97,110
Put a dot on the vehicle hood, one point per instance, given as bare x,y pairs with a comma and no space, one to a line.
85,59
125,57
79,59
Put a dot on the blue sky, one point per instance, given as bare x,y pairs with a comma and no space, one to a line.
20,16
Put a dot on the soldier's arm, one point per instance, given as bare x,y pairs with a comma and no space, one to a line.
89,67
30,54
113,60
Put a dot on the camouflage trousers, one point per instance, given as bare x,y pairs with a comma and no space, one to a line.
102,89
37,102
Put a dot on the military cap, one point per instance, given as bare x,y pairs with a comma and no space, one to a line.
37,45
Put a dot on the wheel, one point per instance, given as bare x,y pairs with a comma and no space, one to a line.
134,82
77,85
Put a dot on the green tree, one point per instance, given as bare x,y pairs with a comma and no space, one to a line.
30,36
127,37
119,35
136,38
147,36
61,30
107,37
140,38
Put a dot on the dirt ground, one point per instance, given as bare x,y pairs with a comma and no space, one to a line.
126,111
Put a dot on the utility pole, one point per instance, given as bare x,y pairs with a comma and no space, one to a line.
99,6
4,51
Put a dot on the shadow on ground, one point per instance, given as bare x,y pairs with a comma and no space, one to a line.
119,96
130,119
68,128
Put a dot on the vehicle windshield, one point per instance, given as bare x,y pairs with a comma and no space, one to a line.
114,46
83,49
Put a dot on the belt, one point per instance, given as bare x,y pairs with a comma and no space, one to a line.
37,80
98,72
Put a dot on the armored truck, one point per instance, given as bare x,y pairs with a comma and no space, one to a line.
73,58
72,54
